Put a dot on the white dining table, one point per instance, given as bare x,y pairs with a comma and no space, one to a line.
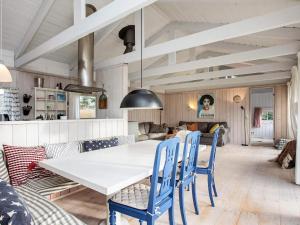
108,171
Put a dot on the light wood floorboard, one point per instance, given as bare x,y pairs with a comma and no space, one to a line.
252,191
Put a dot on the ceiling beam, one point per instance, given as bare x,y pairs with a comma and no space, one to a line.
245,27
107,15
243,80
35,24
79,10
283,33
264,68
261,53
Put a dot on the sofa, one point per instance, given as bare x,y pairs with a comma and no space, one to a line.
38,193
204,128
147,131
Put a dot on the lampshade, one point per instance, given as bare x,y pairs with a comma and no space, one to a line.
141,99
5,75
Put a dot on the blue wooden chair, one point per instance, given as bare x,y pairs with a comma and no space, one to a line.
209,170
188,168
149,203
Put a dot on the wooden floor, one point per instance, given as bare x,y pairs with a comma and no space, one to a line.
252,190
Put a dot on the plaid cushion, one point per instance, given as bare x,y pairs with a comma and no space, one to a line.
23,163
3,169
50,185
45,212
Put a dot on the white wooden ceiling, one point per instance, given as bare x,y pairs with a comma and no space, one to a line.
164,20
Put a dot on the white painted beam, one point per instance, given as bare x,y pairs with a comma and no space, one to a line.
282,33
245,27
262,53
37,20
79,10
107,15
297,170
244,80
264,68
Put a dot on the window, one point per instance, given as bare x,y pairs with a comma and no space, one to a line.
267,115
87,106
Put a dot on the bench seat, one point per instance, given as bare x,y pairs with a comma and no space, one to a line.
43,211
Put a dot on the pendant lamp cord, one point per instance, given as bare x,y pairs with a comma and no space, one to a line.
141,47
1,59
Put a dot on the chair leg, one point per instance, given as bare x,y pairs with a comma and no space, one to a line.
141,222
214,186
112,217
209,184
194,192
181,203
150,222
171,215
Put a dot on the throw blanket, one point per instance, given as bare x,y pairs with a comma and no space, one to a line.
257,117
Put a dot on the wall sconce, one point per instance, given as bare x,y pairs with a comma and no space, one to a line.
237,99
103,100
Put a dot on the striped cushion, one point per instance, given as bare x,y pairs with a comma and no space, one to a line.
3,169
23,163
62,150
45,212
50,185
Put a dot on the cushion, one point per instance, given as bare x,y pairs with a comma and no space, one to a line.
99,144
50,185
144,128
45,212
143,137
202,126
3,169
181,127
62,150
192,126
208,135
13,210
23,163
214,128
135,196
156,135
156,128
182,134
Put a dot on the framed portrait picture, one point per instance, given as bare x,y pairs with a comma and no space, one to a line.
206,106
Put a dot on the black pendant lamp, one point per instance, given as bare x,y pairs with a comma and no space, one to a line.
141,98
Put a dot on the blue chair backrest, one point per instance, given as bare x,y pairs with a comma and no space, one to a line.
212,157
190,154
166,156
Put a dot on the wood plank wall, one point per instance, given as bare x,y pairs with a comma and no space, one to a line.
183,107
148,115
280,111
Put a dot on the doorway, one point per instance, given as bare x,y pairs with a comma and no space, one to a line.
262,116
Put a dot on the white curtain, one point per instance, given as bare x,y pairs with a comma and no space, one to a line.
293,85
74,108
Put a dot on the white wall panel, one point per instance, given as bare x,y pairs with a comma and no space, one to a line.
44,133
63,132
19,135
32,133
6,135
73,131
54,133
